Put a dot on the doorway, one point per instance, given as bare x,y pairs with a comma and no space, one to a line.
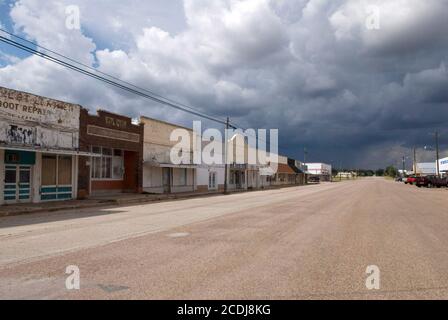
166,180
17,184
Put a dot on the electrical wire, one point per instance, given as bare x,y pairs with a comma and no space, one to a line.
149,95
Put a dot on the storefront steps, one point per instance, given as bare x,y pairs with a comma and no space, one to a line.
108,200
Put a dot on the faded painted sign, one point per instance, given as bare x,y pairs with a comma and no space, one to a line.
26,119
117,123
28,107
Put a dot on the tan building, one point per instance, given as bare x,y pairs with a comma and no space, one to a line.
160,174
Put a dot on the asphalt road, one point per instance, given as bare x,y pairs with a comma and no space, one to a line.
311,242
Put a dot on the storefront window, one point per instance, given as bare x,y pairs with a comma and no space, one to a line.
49,166
64,171
117,167
183,177
212,180
56,170
109,166
232,177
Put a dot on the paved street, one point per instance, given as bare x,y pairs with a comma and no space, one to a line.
311,242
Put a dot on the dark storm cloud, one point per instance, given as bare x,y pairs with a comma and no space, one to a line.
310,68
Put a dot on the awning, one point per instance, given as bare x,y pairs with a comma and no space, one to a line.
296,170
285,169
267,171
170,165
52,151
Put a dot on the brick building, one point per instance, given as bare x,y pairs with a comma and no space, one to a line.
118,147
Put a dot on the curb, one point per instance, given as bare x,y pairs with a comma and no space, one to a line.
123,202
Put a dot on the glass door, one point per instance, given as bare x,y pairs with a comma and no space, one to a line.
24,184
212,181
17,184
10,192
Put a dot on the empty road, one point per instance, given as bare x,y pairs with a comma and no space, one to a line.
312,242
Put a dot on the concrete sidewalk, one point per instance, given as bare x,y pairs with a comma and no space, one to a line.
98,201
112,200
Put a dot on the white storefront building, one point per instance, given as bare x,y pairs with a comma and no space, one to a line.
39,141
160,174
323,170
443,166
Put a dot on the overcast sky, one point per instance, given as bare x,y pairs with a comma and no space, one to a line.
319,70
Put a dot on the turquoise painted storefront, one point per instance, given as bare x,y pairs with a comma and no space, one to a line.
18,176
35,177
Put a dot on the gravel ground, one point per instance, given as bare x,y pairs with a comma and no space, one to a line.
298,243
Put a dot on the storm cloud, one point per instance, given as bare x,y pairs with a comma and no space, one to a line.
353,95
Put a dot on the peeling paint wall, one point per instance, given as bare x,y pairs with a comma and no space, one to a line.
30,120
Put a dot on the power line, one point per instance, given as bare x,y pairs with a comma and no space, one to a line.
100,72
148,95
124,85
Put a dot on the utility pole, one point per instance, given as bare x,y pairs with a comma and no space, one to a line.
305,153
340,173
437,153
225,156
415,161
404,165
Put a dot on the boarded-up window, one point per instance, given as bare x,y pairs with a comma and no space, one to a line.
65,171
49,165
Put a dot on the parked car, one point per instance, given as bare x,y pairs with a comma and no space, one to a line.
423,181
431,182
437,182
314,179
411,180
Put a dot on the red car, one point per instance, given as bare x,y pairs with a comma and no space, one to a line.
411,180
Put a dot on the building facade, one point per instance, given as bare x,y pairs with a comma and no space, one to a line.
426,168
285,174
443,166
300,170
160,174
322,170
117,148
39,148
211,176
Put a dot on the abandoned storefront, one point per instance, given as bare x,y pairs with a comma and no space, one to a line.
160,174
38,148
117,145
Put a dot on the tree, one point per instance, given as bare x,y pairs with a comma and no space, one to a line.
391,171
379,172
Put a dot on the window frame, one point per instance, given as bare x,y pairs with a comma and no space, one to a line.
103,161
57,173
183,175
212,180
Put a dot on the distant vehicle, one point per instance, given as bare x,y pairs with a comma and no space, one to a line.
437,182
399,179
423,182
411,180
431,182
314,179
